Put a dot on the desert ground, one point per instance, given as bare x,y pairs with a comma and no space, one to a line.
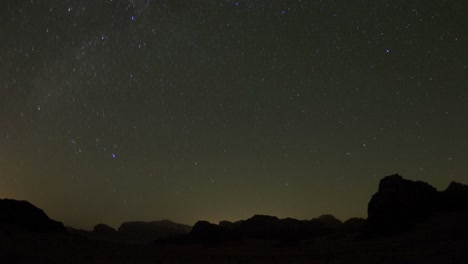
432,242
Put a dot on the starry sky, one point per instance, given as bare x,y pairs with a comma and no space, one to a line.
118,110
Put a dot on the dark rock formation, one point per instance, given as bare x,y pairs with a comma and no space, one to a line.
207,233
270,227
261,227
104,229
23,216
228,225
231,230
454,198
354,225
291,229
288,231
315,228
152,230
330,222
399,204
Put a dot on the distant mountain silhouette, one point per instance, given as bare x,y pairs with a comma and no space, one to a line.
261,227
22,216
152,230
136,231
104,229
330,222
265,227
399,204
270,227
207,233
454,198
354,225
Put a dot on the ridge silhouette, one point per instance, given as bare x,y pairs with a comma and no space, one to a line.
397,206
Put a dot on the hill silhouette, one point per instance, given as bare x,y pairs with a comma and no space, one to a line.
265,227
397,206
139,232
454,198
104,229
21,216
149,231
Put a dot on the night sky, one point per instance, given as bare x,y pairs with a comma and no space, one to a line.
124,110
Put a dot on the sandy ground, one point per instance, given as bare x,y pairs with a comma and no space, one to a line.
408,248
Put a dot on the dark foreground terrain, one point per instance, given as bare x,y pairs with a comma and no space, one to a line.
430,243
441,240
408,222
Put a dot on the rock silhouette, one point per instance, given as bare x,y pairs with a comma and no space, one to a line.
266,227
23,216
103,229
261,227
330,222
454,198
399,204
207,233
152,230
354,225
440,234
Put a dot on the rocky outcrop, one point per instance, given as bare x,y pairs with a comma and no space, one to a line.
263,227
23,216
152,230
354,225
207,233
454,198
260,227
103,229
330,222
399,204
